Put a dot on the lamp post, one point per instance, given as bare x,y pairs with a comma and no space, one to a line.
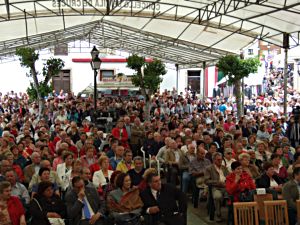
95,64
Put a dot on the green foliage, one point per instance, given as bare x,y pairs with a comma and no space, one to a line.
135,62
44,90
152,72
38,89
236,68
27,56
51,68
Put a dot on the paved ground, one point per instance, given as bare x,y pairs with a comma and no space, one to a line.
199,216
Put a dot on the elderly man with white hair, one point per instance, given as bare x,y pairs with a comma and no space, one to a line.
184,163
33,168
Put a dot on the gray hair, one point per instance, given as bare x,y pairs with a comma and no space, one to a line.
34,154
214,156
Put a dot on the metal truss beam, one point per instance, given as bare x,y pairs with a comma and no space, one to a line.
200,15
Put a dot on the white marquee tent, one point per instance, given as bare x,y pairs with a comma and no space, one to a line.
187,32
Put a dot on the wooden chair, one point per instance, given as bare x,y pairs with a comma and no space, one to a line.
260,202
298,209
276,212
245,213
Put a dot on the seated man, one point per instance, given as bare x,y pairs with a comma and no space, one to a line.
173,157
163,203
53,176
32,168
126,163
215,176
85,174
136,174
197,168
83,204
290,193
113,161
17,189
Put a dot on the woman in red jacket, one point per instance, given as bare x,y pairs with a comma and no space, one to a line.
238,181
11,208
120,133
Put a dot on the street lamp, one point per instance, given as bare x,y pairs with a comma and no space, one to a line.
95,64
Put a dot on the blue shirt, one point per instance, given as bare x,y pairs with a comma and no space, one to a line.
114,162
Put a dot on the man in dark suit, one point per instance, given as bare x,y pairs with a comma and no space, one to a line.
290,193
163,203
83,204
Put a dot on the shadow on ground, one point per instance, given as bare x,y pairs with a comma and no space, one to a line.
199,215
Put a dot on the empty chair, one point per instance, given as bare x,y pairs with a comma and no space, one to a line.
245,213
276,212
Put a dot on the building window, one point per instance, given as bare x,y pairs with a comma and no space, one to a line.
250,51
194,80
107,75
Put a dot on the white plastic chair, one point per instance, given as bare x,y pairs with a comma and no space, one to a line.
144,156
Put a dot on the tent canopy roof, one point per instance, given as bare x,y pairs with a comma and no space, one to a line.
187,32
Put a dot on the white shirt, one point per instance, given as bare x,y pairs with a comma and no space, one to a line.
273,183
177,156
221,174
99,178
154,193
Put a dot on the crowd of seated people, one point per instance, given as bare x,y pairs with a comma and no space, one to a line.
60,168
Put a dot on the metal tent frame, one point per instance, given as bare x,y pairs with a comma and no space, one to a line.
186,32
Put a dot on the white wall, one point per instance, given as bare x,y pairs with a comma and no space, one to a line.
13,77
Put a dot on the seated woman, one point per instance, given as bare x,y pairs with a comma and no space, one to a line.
102,177
64,170
270,180
238,181
279,169
46,206
44,174
11,208
124,202
251,169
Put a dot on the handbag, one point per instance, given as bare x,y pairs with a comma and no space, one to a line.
128,219
246,196
53,221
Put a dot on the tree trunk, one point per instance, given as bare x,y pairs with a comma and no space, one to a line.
36,85
41,107
147,105
237,93
147,109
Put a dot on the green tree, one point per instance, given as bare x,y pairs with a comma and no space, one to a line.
39,88
147,77
235,69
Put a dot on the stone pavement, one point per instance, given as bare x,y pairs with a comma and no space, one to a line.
199,216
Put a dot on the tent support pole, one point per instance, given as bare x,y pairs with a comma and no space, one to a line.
285,72
204,81
177,77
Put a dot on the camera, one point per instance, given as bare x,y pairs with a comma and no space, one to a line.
296,112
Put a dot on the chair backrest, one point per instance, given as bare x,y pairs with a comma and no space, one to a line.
245,213
144,157
276,212
260,202
298,209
